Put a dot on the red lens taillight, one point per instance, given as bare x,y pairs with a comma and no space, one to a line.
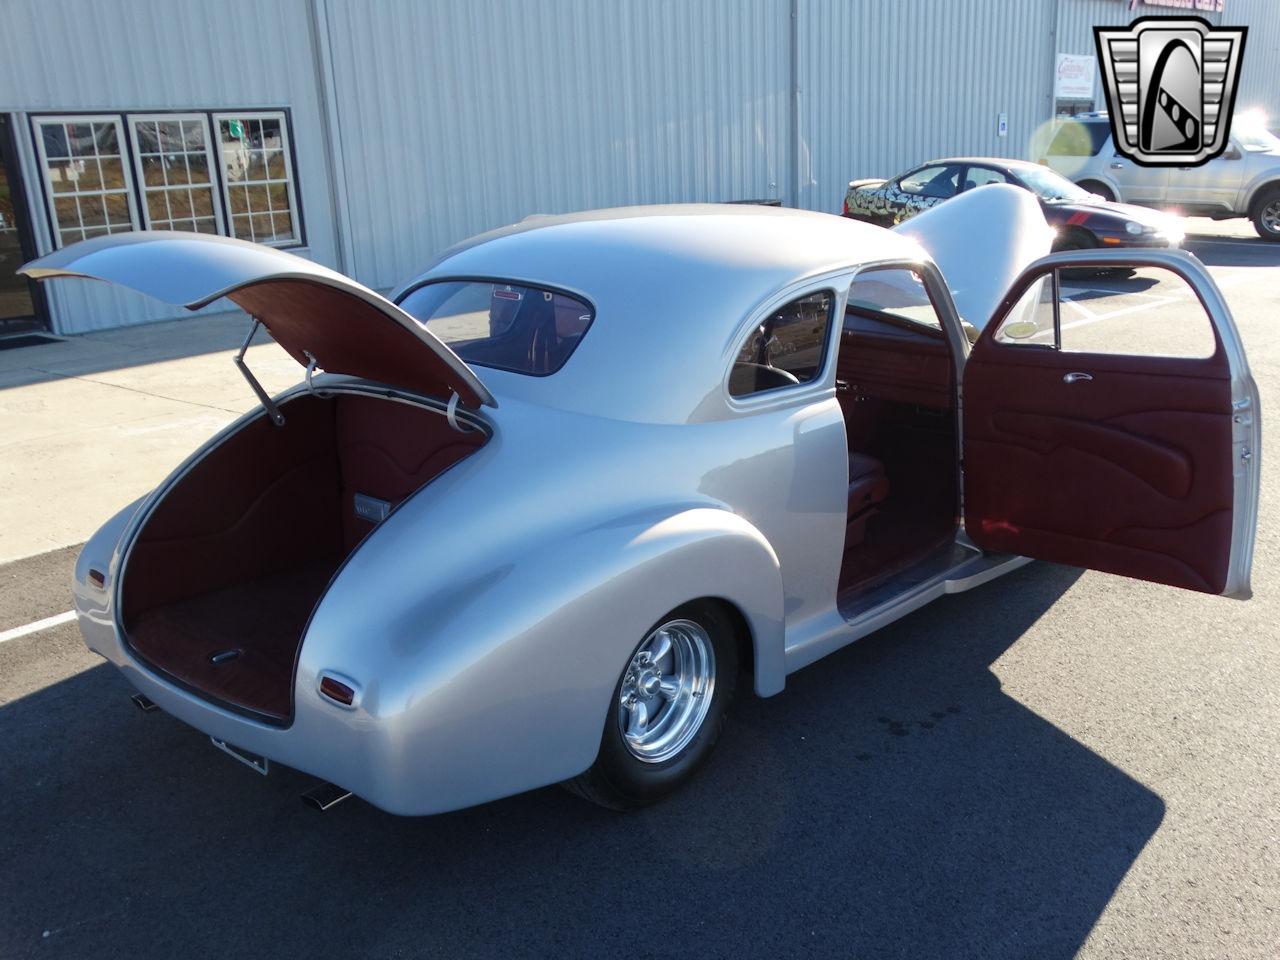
337,690
845,208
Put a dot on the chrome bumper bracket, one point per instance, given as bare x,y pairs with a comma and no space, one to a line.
261,764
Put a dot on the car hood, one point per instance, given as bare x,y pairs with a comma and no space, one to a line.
981,240
1125,211
317,315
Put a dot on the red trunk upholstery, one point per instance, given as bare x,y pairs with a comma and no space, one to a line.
241,549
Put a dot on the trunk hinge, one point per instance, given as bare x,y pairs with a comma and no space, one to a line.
272,410
312,363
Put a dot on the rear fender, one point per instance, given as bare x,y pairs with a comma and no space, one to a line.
94,600
503,681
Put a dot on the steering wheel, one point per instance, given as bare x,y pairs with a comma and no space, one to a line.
747,378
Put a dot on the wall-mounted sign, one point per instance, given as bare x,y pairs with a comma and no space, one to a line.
1204,6
1002,125
1073,77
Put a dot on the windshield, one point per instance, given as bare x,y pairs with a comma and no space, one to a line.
1048,185
504,325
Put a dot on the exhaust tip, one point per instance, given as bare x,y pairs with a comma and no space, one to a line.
142,703
324,796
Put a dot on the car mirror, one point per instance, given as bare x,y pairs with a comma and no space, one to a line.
1020,329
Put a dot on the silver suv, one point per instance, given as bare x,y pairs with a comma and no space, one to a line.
1243,182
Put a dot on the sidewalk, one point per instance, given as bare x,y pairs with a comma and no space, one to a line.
90,424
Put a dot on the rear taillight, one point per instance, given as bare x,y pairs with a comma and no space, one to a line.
337,691
845,208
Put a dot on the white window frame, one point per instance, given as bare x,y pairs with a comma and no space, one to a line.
51,195
286,146
215,185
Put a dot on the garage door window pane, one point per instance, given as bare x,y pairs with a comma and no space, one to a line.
257,167
85,175
173,163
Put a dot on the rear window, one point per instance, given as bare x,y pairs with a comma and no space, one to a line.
1076,139
503,325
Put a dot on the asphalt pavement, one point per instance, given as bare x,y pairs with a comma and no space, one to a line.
1056,764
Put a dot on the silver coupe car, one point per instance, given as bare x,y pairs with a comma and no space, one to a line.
532,518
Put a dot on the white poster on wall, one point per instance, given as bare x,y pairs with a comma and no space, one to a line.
1073,78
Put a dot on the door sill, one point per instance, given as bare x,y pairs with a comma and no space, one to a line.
856,602
951,569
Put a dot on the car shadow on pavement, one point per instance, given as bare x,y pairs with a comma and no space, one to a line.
1233,251
893,802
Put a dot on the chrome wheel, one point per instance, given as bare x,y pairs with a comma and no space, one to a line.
666,691
1271,216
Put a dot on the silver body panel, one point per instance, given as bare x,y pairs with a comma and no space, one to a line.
608,494
1224,186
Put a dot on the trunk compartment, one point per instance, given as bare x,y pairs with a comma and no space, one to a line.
219,582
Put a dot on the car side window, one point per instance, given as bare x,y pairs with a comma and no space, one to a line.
981,176
1142,312
1077,139
787,348
892,293
938,182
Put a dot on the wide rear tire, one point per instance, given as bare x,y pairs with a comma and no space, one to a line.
667,709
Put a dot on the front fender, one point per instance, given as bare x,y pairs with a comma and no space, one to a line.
502,682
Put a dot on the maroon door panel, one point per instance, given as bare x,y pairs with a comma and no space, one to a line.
1129,472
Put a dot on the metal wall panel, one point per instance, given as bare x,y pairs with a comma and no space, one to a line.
81,55
884,86
1260,73
462,115
418,124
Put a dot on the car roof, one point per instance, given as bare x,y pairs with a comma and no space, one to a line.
985,162
775,243
671,287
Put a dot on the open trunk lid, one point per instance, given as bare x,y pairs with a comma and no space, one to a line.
320,317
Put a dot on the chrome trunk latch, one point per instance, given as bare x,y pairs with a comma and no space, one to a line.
272,410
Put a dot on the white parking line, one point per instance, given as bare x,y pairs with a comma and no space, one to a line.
1080,308
45,624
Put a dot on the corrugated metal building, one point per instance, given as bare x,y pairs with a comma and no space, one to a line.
369,134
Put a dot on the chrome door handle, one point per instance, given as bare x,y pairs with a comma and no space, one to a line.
1076,377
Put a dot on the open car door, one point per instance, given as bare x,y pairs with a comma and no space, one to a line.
1117,436
321,318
